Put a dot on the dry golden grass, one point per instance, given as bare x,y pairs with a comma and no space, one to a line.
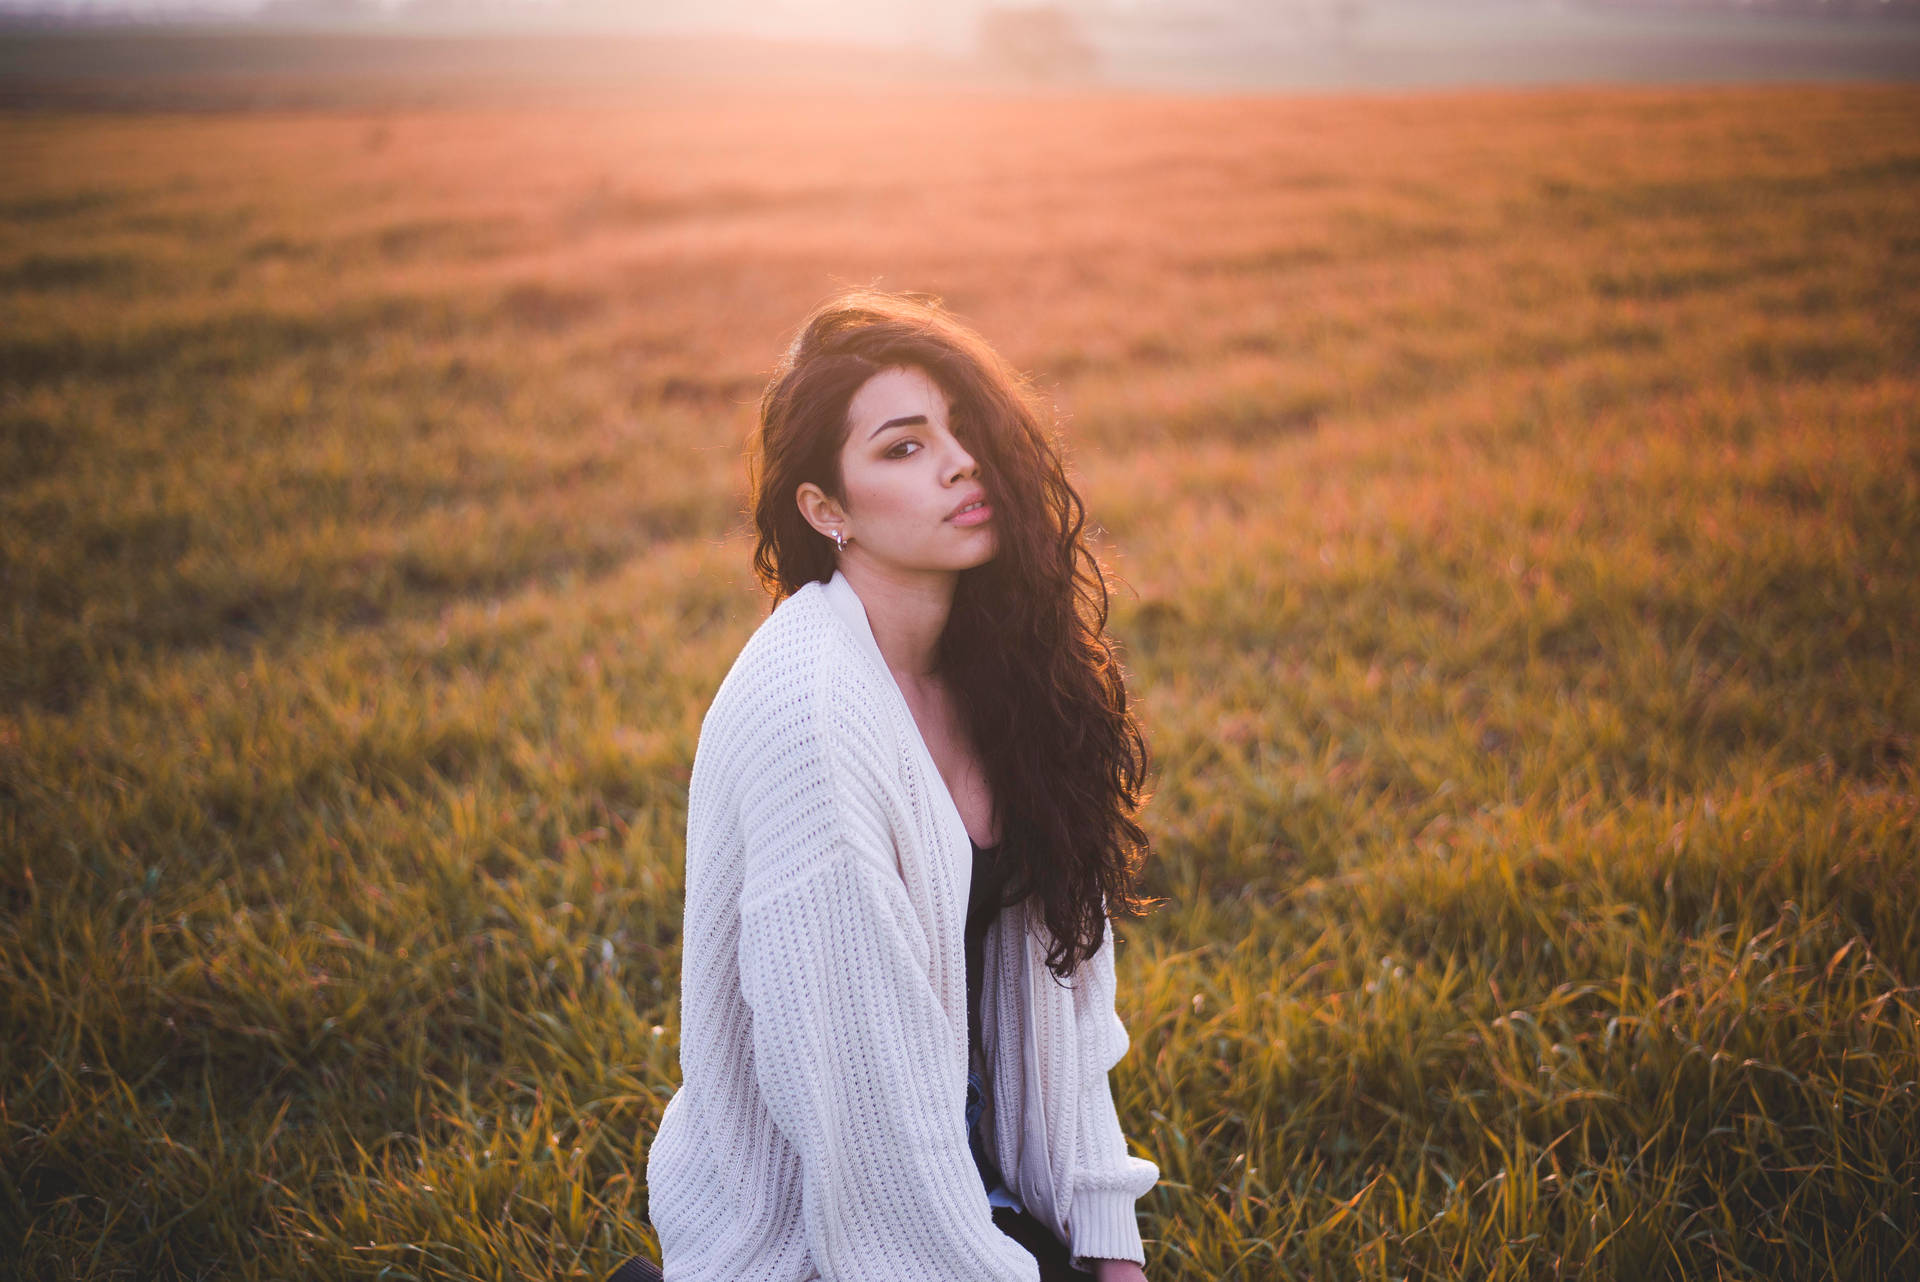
1514,500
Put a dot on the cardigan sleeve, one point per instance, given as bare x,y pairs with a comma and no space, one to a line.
1106,1179
847,1028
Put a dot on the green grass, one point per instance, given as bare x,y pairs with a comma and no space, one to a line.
1514,503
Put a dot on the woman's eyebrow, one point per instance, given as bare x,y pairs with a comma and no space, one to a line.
911,420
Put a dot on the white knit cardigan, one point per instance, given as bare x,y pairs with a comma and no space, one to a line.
819,1127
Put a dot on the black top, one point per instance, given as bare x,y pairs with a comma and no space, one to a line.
983,905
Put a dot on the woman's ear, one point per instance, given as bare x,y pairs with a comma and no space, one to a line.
822,512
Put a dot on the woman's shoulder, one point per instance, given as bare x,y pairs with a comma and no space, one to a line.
801,662
801,722
790,644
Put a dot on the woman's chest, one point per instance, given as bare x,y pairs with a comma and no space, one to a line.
961,768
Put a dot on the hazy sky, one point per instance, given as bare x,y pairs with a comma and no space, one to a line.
926,18
1225,43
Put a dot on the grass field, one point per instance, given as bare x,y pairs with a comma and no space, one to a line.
1514,506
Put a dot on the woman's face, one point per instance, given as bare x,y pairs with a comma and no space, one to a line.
914,499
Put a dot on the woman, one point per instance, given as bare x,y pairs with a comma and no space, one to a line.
910,813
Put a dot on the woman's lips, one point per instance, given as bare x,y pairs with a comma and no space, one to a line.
973,515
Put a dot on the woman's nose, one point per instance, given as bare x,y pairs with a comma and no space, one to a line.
962,464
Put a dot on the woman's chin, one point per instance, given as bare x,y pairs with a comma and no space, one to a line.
985,554
940,561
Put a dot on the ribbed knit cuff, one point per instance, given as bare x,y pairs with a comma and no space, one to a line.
1105,1227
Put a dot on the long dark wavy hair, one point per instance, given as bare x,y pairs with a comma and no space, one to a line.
1025,649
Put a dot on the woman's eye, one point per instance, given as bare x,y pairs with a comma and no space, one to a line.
900,449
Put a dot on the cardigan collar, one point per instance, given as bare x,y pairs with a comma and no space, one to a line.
847,604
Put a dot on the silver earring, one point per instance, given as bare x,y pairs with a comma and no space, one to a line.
839,541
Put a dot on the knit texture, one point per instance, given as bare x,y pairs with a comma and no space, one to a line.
819,1129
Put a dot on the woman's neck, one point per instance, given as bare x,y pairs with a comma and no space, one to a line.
906,610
